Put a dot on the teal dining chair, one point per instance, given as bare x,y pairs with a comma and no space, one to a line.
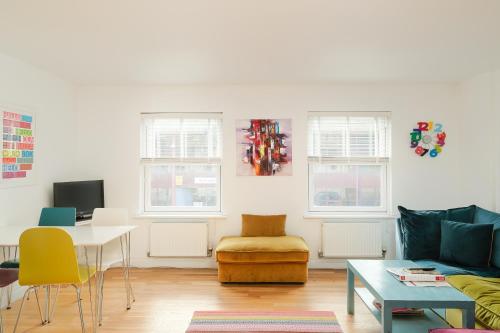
57,217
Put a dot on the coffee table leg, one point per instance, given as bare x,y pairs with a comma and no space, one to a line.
350,291
386,318
468,317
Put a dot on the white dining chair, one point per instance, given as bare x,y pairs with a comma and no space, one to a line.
115,251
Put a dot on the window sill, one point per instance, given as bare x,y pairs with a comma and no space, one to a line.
348,215
178,216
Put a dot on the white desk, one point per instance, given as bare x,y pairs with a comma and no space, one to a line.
85,236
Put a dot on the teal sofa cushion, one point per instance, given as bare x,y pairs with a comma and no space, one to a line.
421,230
421,233
485,216
461,214
466,244
455,269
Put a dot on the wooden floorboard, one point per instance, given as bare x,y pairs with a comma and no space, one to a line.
167,297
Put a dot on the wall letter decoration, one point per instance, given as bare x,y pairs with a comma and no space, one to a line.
18,146
427,139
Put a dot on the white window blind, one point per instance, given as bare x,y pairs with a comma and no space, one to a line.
185,138
337,136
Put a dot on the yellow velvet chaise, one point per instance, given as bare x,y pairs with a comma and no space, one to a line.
263,253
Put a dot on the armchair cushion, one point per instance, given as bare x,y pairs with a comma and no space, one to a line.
262,249
263,225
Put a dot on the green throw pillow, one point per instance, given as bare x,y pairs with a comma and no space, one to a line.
466,244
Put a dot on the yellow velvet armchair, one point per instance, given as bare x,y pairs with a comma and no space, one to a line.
263,253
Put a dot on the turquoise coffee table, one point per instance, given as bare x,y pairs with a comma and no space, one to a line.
380,285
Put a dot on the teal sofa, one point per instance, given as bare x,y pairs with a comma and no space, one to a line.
480,216
480,283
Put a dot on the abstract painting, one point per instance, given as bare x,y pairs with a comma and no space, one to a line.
264,147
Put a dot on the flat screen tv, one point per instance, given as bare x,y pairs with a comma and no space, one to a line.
83,195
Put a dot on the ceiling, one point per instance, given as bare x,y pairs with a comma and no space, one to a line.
253,41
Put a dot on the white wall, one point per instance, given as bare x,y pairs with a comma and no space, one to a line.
52,100
480,140
108,148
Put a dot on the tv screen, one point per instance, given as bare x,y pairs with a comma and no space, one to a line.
83,195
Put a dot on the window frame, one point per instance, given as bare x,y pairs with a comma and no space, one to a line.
148,208
147,162
384,191
386,171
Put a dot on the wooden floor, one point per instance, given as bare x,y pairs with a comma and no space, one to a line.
166,299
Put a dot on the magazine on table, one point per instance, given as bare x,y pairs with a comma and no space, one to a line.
416,274
401,311
426,283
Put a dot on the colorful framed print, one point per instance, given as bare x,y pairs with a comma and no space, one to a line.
18,146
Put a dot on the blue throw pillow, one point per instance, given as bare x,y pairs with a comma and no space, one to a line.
421,233
466,244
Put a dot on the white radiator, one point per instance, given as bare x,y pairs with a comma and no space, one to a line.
178,239
352,240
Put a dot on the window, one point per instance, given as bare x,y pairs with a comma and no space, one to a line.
349,161
181,162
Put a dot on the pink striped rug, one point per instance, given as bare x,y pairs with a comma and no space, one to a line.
264,321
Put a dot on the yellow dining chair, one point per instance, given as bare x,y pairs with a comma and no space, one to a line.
48,257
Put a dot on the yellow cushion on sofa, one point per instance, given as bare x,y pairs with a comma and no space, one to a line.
486,293
262,249
262,225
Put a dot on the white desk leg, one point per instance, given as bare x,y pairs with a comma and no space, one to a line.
90,287
128,268
98,288
130,292
123,239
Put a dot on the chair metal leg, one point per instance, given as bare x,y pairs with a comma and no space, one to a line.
47,303
21,309
51,315
9,296
1,319
100,304
79,299
38,305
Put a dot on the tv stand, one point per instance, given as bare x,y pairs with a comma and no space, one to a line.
84,217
